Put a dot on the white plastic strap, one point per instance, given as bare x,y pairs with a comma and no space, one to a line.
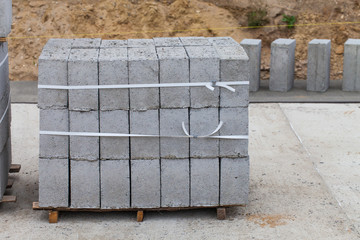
209,85
6,110
92,134
5,58
203,136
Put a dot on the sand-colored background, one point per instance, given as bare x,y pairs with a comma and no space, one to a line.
123,19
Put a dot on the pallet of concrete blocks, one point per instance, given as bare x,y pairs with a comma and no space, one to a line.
5,17
143,123
5,119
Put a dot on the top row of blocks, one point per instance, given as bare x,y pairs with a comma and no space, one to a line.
136,43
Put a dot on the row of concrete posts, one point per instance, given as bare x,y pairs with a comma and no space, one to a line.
282,64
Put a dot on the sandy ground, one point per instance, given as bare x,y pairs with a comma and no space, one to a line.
35,21
304,184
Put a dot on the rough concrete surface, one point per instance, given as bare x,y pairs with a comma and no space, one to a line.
295,187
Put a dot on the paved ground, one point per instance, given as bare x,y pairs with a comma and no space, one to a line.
305,184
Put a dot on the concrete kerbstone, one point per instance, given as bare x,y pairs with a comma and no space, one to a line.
113,70
174,68
282,65
318,67
83,70
351,78
204,67
253,50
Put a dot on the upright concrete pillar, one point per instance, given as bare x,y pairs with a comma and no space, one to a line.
351,79
253,50
282,65
318,68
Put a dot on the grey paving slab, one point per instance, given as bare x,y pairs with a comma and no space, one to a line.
195,41
86,43
115,184
222,41
55,43
168,42
113,44
137,43
53,182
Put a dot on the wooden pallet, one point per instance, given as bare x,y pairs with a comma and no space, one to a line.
14,168
54,212
2,39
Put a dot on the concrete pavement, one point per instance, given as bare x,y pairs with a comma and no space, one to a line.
304,184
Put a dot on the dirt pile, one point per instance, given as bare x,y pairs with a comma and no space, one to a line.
123,19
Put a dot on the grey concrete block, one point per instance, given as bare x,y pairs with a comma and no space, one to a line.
56,43
174,68
351,78
8,148
318,67
204,67
115,184
86,43
114,147
253,50
234,66
113,70
113,44
282,65
204,182
234,181
4,171
145,183
54,146
53,182
143,69
195,41
4,78
53,70
5,129
168,42
222,41
203,122
236,122
84,148
171,125
146,122
175,183
5,17
137,43
85,184
83,70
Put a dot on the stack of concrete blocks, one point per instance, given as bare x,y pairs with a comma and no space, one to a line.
282,65
253,50
351,75
5,108
143,172
318,71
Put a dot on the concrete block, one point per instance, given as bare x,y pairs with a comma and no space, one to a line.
113,70
253,50
115,184
86,43
204,182
114,147
204,67
113,44
222,41
4,78
318,68
4,129
143,68
84,148
54,146
236,122
8,148
53,182
5,17
195,41
168,42
145,183
175,183
85,184
4,171
56,43
282,65
234,66
174,68
203,122
147,123
171,125
83,70
351,78
138,43
234,181
53,70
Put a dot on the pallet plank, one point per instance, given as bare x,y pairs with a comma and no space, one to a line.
140,216
2,39
53,216
221,213
10,183
8,198
15,168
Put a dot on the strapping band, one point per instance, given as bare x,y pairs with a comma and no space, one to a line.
6,110
5,58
